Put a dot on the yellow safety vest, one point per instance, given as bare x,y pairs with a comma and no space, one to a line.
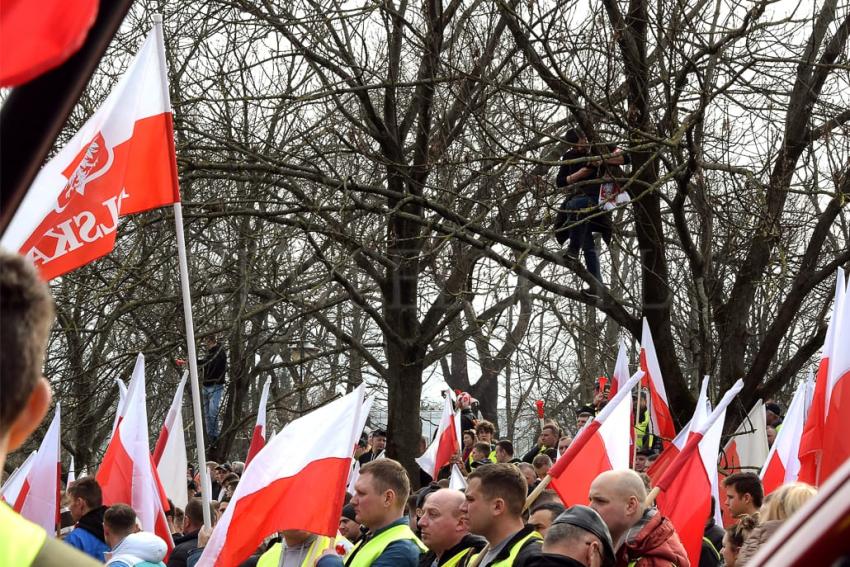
517,547
271,558
20,539
458,559
641,436
373,548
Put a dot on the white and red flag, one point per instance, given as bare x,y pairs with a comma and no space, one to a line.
127,474
659,409
120,162
747,449
812,441
446,443
258,438
169,453
685,488
38,499
122,396
783,461
12,487
602,445
296,482
72,474
836,446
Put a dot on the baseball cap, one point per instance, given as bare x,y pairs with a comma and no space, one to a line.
773,408
589,520
348,512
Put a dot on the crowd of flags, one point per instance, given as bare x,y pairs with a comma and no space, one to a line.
122,161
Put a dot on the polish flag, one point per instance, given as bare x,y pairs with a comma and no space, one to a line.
296,482
602,445
783,462
685,488
127,474
38,500
621,371
124,391
169,454
72,475
747,449
12,487
813,439
659,408
446,443
122,396
836,441
258,439
120,162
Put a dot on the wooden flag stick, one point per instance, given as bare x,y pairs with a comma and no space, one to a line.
650,498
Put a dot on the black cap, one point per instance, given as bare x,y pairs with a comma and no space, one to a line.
773,408
589,410
224,467
589,520
348,512
645,452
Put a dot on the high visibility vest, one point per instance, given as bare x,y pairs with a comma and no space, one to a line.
641,438
517,547
271,558
20,539
364,554
458,559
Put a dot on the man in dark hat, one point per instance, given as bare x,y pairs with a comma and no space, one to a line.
642,460
348,525
583,415
773,415
577,538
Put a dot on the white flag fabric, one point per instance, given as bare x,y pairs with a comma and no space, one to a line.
169,455
747,450
783,461
12,487
38,500
258,436
456,480
446,443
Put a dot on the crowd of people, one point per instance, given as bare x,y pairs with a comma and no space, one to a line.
383,523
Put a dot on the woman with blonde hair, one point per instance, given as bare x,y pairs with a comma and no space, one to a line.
778,506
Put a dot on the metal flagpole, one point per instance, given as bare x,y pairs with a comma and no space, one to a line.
187,310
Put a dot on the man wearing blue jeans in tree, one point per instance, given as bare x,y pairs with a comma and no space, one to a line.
212,369
582,183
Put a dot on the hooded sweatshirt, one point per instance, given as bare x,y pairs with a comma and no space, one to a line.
142,548
652,542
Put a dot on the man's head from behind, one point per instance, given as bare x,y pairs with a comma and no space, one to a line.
495,494
85,495
193,517
618,496
580,534
441,522
27,315
380,493
119,521
744,493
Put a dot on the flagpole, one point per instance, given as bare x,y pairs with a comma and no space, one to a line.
187,311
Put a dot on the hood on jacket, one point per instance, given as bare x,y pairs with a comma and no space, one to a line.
144,545
92,522
654,538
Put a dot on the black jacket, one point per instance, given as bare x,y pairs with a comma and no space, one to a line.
553,560
530,550
214,365
182,547
529,457
476,543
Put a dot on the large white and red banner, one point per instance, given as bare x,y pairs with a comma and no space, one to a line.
120,162
169,454
296,482
127,474
446,443
38,498
659,407
258,437
602,445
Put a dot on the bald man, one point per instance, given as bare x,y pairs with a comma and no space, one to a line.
638,532
445,530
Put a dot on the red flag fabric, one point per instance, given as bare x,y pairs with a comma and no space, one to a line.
446,442
812,440
38,36
297,481
602,445
836,442
659,408
38,499
127,474
258,438
686,485
120,162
